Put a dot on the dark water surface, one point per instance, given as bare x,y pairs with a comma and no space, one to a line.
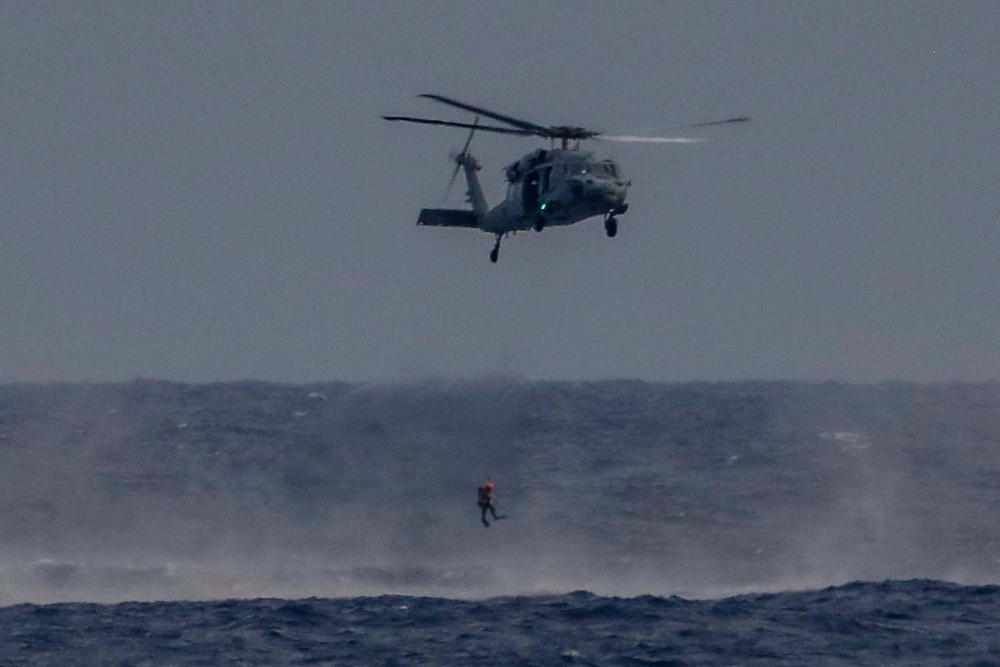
914,623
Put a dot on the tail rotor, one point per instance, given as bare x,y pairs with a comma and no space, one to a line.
460,157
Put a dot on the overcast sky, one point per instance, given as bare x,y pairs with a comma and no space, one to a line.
206,191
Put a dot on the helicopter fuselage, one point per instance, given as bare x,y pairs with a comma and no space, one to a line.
556,187
545,188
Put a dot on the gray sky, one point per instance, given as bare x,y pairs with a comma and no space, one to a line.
206,191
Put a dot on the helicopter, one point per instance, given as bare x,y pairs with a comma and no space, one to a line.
546,187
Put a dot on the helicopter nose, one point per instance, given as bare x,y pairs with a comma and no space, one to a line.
606,191
616,193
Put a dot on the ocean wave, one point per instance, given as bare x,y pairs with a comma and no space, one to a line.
917,622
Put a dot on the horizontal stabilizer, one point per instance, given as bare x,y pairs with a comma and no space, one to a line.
447,217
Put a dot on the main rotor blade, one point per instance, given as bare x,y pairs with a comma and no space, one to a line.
741,119
670,140
448,123
647,140
527,127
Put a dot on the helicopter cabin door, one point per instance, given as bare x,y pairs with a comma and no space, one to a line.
546,180
530,193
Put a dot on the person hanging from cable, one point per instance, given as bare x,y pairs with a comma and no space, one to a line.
487,501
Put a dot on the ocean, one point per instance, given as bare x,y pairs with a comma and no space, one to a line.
250,523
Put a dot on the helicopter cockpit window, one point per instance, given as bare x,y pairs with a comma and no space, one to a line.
599,169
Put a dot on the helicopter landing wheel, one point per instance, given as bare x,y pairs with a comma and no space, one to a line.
611,226
539,224
495,253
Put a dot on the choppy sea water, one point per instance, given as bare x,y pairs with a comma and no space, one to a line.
741,523
912,622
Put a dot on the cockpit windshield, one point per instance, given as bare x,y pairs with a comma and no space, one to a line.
598,169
